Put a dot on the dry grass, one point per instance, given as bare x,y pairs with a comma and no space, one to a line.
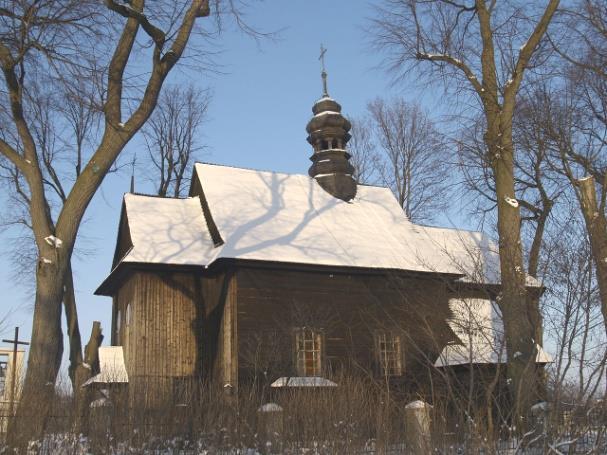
359,416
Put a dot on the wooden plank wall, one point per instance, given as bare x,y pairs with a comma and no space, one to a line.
349,309
221,300
162,340
124,295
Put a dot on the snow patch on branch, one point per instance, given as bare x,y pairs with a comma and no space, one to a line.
53,241
513,202
46,261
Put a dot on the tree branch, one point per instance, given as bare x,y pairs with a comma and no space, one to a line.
458,64
527,51
127,11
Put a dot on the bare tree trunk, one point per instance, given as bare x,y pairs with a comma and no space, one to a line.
83,373
519,329
533,297
73,330
596,226
45,353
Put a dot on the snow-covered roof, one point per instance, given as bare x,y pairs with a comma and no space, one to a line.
479,327
303,381
111,366
418,404
167,231
269,407
277,217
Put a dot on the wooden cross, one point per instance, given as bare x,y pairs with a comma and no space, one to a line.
323,51
15,342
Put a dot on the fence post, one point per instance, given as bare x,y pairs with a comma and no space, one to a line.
270,419
417,427
540,416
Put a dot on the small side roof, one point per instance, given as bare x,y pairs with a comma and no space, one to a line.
167,231
111,366
479,326
303,381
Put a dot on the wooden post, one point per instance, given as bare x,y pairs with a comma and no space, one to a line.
228,348
417,427
540,416
270,425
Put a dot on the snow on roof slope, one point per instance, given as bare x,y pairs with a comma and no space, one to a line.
270,216
289,218
479,326
167,230
111,366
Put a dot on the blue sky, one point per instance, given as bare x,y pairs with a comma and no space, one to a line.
260,108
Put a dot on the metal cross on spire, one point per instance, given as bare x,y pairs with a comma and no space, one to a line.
323,74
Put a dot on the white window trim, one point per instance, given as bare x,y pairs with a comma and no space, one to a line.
390,360
304,337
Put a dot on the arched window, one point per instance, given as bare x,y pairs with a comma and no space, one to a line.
127,319
118,324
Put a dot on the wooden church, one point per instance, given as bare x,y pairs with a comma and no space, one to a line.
287,280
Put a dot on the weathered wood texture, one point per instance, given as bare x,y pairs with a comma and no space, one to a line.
237,324
349,309
161,338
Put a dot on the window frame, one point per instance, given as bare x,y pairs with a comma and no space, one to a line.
389,361
128,315
118,325
305,336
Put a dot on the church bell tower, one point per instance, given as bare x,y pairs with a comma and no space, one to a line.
328,134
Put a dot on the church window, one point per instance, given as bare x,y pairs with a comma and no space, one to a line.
127,318
118,324
308,345
388,346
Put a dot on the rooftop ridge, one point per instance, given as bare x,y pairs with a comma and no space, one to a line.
178,198
276,172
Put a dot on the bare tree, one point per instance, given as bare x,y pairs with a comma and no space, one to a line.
580,124
58,45
397,144
63,128
473,46
412,157
579,151
173,136
362,149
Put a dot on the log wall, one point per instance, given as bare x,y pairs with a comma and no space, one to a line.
238,325
349,309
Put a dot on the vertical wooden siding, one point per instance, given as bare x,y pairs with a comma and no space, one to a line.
348,308
163,332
